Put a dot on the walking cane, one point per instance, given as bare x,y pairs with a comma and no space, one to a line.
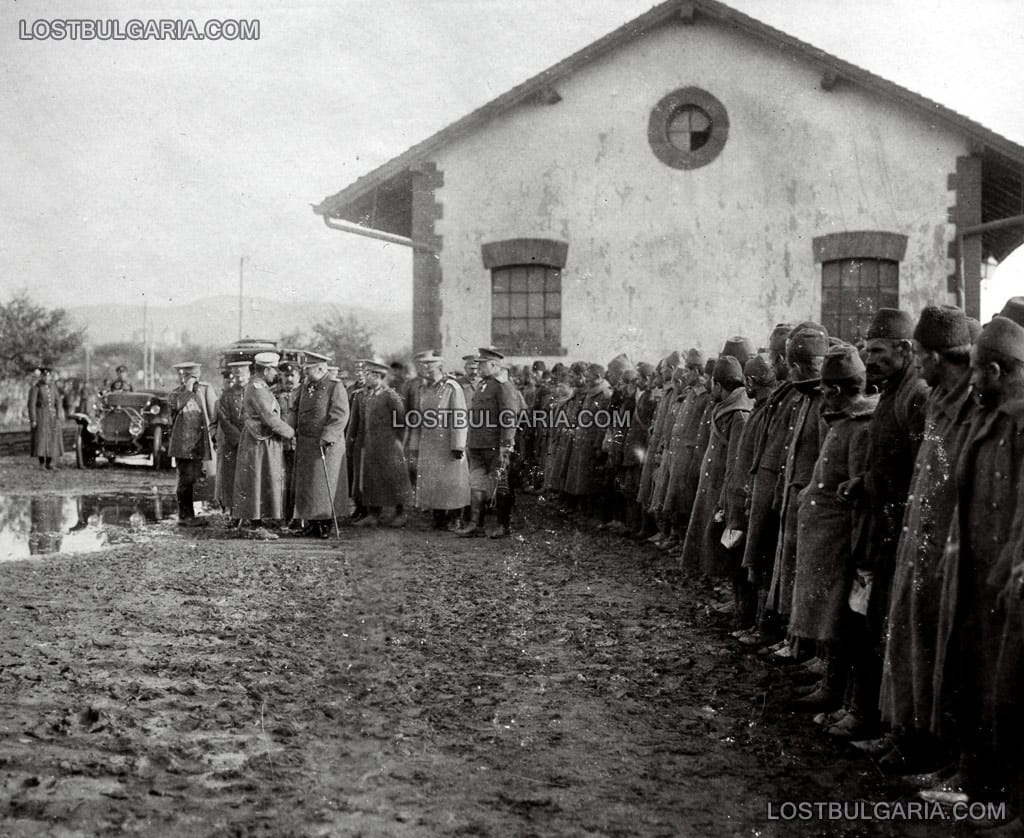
330,494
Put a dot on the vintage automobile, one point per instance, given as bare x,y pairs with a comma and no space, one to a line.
125,424
248,348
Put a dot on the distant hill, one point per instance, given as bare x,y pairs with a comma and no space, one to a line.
213,321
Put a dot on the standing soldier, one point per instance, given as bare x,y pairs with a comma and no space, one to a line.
356,397
383,476
973,605
229,432
491,438
194,403
443,481
471,378
45,416
259,475
320,414
287,393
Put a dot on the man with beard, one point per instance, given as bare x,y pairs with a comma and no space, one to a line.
229,432
491,438
973,604
259,473
942,346
319,416
896,430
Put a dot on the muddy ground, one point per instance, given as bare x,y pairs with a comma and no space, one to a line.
392,683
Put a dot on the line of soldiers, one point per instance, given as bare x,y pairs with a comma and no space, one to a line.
288,447
863,504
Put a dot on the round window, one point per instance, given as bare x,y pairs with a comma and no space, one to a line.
688,128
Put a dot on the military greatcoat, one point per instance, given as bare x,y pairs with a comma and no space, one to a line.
320,416
763,522
229,432
693,441
989,481
663,399
443,480
45,414
828,528
728,418
383,476
906,696
582,477
259,472
800,453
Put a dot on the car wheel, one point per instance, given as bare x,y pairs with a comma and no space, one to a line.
85,457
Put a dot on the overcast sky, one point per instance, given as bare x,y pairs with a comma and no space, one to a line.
145,170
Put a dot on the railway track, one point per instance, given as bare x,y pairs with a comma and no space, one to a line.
19,441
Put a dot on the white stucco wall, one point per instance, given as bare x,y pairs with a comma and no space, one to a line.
661,258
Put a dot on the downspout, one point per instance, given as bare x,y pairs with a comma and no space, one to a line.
977,230
381,235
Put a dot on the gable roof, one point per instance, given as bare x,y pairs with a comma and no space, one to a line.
832,68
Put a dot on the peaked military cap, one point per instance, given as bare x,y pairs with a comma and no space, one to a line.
488,354
267,359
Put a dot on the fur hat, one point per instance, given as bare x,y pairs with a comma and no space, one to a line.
891,324
740,348
709,366
727,369
759,369
843,363
941,328
807,340
1014,310
1002,336
694,358
974,325
645,369
777,339
620,363
672,359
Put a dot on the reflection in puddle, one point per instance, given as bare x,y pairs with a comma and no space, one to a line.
45,524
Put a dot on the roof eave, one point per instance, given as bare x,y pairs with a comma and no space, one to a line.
684,10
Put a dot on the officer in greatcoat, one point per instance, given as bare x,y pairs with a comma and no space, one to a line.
492,427
45,415
383,475
229,431
259,476
194,404
287,392
443,479
320,416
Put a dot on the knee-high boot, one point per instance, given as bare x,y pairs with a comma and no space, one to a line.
475,527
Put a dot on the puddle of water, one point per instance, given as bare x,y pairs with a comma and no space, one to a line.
41,525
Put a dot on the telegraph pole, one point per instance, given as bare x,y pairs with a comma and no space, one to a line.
241,261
